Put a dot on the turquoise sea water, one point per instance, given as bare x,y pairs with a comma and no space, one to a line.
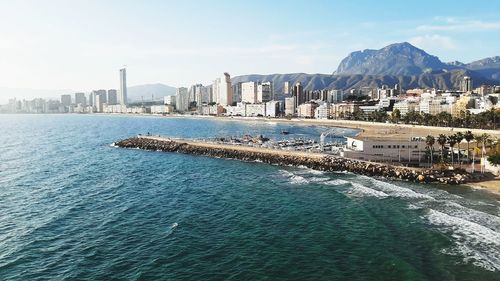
72,207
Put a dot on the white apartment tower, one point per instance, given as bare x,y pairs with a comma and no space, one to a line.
249,92
123,86
223,91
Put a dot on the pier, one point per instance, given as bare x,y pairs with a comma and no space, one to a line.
317,161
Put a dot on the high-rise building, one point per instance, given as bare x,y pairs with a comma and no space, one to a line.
80,99
100,98
207,95
264,92
98,103
335,96
249,92
92,98
112,97
182,99
290,106
123,86
467,84
286,88
237,92
298,93
65,100
223,90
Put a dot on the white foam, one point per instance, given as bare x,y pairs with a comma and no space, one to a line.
336,182
482,218
293,178
359,190
414,207
318,179
398,191
478,244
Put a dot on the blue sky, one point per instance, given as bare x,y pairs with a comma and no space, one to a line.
80,45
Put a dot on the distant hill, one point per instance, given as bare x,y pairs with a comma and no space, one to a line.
488,67
395,59
449,80
146,91
400,63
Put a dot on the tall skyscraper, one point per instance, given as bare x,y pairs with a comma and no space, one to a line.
80,99
237,92
467,84
182,99
92,98
65,100
112,97
100,98
123,86
298,93
286,88
249,92
265,92
223,91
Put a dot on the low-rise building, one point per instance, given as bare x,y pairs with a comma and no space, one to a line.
323,111
273,109
306,110
383,150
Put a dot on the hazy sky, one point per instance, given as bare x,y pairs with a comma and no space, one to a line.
80,45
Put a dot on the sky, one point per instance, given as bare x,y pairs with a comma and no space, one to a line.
80,45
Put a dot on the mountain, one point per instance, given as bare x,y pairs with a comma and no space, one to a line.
449,80
399,63
146,91
395,59
488,67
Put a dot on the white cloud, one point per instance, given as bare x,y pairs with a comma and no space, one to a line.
433,42
453,24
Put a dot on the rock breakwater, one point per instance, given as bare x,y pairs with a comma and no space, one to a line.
294,158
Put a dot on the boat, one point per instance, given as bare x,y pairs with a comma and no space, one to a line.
283,132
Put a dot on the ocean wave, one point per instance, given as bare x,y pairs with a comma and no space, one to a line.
293,178
477,244
398,191
359,190
336,182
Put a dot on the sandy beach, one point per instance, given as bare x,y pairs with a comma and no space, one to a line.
368,130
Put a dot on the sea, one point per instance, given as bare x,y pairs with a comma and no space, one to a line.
74,207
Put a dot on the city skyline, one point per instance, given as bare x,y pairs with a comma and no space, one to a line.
257,37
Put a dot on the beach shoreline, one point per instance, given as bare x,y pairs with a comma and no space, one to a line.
367,130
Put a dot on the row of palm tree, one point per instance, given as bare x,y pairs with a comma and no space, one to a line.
485,120
457,139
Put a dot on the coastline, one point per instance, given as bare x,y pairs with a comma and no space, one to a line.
316,161
368,130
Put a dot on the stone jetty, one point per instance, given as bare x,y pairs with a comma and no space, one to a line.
317,161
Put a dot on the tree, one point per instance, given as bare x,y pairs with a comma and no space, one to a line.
430,140
452,140
468,136
441,140
395,115
494,158
459,137
483,140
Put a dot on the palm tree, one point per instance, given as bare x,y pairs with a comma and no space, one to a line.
442,142
468,136
483,139
452,140
430,140
459,137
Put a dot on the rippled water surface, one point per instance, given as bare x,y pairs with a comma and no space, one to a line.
72,207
